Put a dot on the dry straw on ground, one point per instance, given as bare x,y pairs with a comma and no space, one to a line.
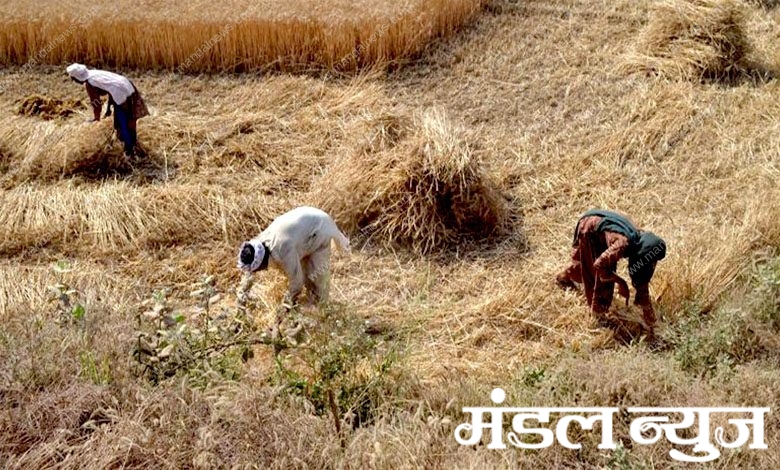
429,191
237,36
693,40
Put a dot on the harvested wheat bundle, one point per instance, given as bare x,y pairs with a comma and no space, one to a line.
427,192
111,216
693,40
49,150
765,4
46,107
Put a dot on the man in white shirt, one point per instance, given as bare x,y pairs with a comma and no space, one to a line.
297,242
128,104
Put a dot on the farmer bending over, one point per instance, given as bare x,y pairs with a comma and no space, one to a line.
298,242
122,95
601,239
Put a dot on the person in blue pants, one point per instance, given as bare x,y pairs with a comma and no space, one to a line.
123,96
125,128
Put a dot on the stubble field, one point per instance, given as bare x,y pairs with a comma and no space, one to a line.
526,117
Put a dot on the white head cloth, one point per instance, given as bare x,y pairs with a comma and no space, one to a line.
259,255
78,71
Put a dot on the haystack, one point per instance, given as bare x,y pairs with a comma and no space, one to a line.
693,40
427,191
47,150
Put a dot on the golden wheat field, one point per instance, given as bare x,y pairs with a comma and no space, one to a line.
128,338
239,35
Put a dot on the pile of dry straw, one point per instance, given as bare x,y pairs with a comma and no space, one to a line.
419,184
34,149
47,108
693,40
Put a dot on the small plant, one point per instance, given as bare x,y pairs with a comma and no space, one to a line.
532,376
347,372
621,459
69,311
767,303
98,371
199,345
72,312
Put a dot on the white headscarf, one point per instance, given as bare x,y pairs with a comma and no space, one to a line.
258,259
78,71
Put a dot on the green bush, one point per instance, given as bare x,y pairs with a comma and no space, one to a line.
707,345
343,370
200,346
732,334
767,299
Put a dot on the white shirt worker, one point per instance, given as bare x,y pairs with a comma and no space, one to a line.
297,242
